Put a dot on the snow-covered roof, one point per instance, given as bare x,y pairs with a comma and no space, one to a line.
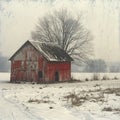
50,51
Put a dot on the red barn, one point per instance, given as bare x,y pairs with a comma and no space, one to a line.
40,62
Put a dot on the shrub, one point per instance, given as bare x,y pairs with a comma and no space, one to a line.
96,76
86,79
40,88
105,77
50,107
115,78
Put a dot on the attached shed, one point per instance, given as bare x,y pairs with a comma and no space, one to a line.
40,62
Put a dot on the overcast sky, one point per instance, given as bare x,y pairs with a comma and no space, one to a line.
101,17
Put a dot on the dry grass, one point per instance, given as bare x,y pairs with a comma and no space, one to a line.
111,109
75,99
97,96
78,99
112,91
39,101
107,109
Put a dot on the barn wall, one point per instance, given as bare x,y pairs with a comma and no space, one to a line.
26,64
63,68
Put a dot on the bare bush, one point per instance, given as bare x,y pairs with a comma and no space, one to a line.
75,99
86,79
96,76
115,78
50,107
40,88
105,77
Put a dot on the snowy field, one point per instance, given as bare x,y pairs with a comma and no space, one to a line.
87,100
89,76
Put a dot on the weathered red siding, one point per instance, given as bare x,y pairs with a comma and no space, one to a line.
63,69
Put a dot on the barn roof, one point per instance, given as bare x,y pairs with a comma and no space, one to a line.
50,51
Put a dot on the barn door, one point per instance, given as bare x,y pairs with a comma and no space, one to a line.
40,76
56,76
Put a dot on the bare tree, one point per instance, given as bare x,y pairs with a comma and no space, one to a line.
67,31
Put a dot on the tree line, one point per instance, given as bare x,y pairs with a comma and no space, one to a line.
4,64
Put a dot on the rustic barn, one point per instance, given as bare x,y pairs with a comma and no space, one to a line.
40,62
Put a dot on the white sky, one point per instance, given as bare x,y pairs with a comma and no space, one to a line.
101,17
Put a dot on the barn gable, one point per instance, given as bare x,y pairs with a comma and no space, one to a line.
49,51
26,52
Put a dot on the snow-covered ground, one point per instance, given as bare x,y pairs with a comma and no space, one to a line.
4,76
89,100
